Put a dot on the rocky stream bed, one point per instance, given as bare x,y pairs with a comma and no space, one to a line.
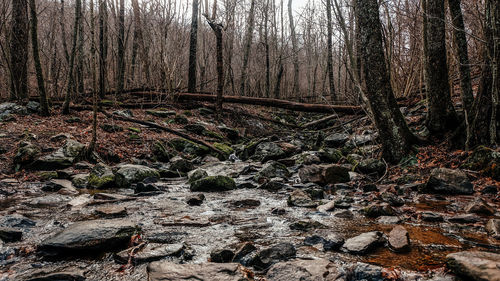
279,208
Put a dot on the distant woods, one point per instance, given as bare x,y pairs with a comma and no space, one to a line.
441,51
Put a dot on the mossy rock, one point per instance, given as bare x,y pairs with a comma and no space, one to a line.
26,153
213,134
188,147
181,119
330,155
110,128
80,180
128,174
213,183
160,152
224,148
47,175
197,175
161,113
101,177
485,160
187,113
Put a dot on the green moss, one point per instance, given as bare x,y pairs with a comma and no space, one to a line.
181,119
187,113
213,183
134,130
97,182
213,134
189,147
223,147
48,175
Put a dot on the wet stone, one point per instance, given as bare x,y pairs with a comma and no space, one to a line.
343,214
299,198
479,206
8,234
305,225
274,254
328,207
195,200
243,251
431,217
399,240
376,210
475,265
67,275
388,220
111,212
165,270
222,256
303,270
493,228
448,181
274,184
245,204
465,218
149,253
363,243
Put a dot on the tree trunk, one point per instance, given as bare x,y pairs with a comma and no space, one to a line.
329,60
44,105
67,99
495,69
246,48
441,116
266,45
19,50
295,55
95,96
79,66
217,28
103,46
121,48
394,133
193,48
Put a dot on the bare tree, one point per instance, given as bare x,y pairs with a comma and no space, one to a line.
121,48
44,105
295,55
103,46
329,59
193,48
246,48
71,77
19,50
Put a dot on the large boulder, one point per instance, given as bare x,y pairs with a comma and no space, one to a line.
166,270
475,265
89,237
62,158
213,183
26,153
324,174
303,270
448,181
272,169
268,151
371,166
128,174
101,177
263,259
9,108
188,147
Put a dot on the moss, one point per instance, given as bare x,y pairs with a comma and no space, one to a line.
189,147
134,130
213,134
97,182
160,152
213,183
224,148
48,175
181,119
331,155
187,113
134,137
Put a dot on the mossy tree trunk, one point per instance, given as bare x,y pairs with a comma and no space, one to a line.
394,133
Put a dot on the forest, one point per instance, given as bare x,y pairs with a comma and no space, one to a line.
266,140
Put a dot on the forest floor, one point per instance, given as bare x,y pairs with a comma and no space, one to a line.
285,203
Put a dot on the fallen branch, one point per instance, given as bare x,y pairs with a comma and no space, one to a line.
163,128
295,106
320,121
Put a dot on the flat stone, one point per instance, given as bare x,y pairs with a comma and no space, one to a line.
389,220
89,236
328,207
464,218
479,206
344,214
399,240
67,275
165,270
303,270
475,265
149,253
431,217
363,243
299,198
274,254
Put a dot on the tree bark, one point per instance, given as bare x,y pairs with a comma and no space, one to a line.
44,105
193,48
246,48
103,46
329,61
394,133
441,115
121,48
19,50
67,99
295,55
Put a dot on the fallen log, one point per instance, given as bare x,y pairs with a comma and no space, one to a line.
295,106
166,129
320,121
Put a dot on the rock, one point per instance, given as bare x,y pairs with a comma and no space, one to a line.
165,270
448,181
431,217
145,186
344,214
181,119
197,128
486,160
330,155
363,243
272,169
265,151
224,148
274,254
26,153
111,212
493,228
464,218
365,272
479,206
53,200
128,174
151,252
490,189
195,200
332,243
376,210
9,108
16,221
328,207
303,270
73,119
475,265
324,174
160,152
8,234
306,158
336,140
231,134
111,128
161,113
245,204
188,147
179,164
221,256
274,184
196,175
371,166
56,185
389,220
101,177
399,240
124,113
67,275
213,183
80,180
305,225
299,198
62,158
89,237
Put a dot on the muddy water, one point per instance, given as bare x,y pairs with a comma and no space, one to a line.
226,219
